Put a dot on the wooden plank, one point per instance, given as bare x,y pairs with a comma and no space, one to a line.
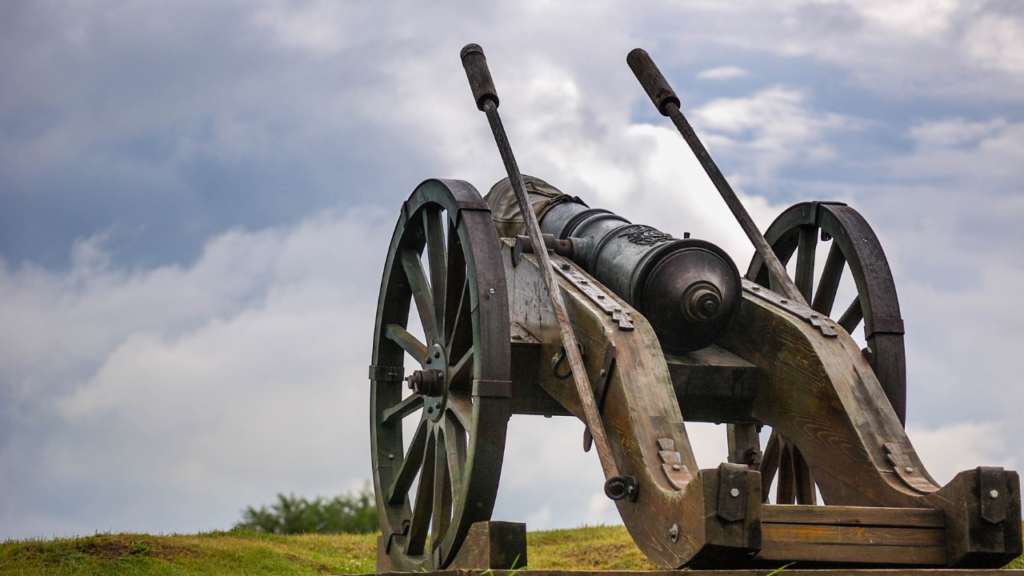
853,516
852,535
909,555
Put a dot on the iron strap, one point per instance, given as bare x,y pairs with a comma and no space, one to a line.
819,321
387,373
874,326
590,289
492,388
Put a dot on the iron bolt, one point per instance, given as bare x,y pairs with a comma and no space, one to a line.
784,301
755,288
430,409
994,494
735,492
517,337
491,290
676,467
437,354
673,532
565,266
429,360
909,469
391,456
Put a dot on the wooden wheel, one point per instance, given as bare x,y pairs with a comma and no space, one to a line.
854,246
445,477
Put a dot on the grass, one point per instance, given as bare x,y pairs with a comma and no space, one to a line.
255,553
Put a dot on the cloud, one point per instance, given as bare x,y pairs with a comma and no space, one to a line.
199,199
722,73
770,129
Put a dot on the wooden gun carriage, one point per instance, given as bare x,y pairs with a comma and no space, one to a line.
636,332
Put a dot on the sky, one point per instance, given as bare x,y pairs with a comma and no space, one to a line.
196,200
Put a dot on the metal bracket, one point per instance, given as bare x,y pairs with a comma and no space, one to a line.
905,469
595,294
601,389
822,323
396,531
992,492
387,373
672,464
732,491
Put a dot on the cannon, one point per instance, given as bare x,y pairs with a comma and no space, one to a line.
529,301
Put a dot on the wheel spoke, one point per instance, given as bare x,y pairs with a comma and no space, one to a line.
455,444
421,292
442,515
422,509
852,317
784,491
804,277
460,376
410,465
802,478
437,257
399,411
769,464
461,337
455,283
828,285
462,407
408,342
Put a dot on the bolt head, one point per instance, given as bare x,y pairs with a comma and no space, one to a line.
909,469
994,494
565,266
491,290
735,492
391,456
784,301
437,354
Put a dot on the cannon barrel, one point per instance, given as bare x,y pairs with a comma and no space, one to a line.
688,289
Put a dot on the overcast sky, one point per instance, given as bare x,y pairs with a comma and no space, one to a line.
197,199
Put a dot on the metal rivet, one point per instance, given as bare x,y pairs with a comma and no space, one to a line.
600,296
517,337
565,266
582,281
755,288
909,469
491,290
430,409
429,361
814,315
994,494
391,456
437,354
784,301
735,492
676,467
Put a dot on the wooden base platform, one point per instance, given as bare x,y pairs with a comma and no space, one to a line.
762,572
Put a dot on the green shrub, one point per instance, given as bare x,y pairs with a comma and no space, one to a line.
348,514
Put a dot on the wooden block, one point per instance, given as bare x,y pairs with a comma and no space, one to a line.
492,546
853,516
851,553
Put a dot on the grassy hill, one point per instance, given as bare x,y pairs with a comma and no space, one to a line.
254,553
